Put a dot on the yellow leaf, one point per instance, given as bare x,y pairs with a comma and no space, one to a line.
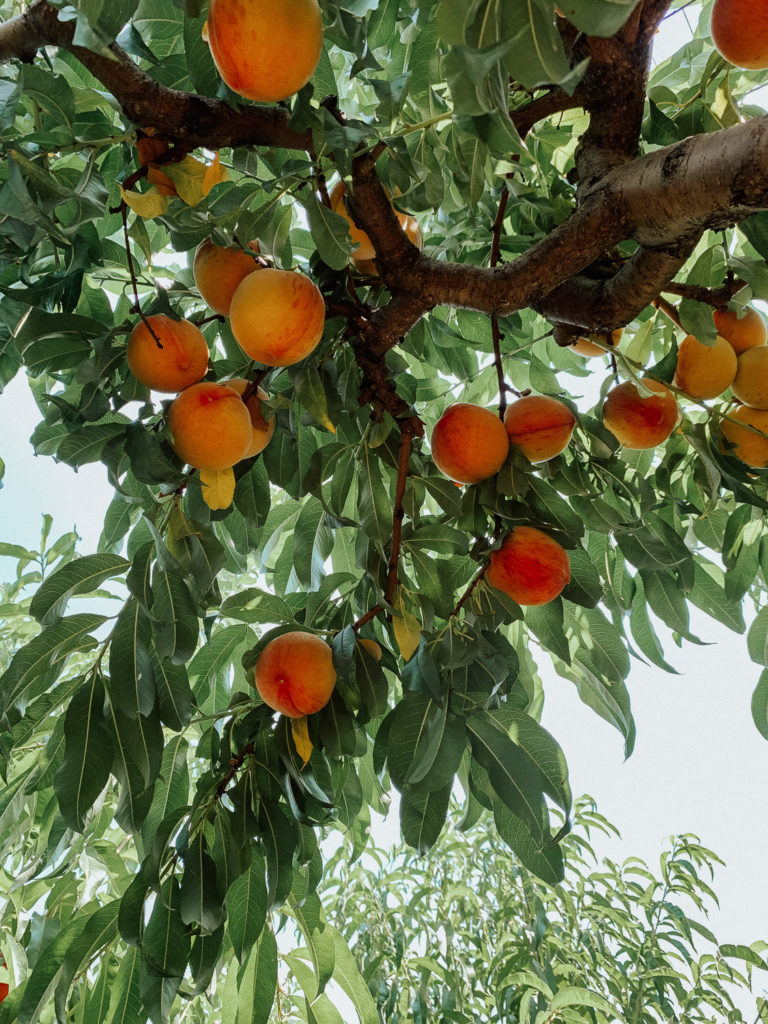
218,487
301,739
407,629
187,175
214,173
146,204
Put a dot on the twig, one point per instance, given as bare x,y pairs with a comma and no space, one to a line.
468,591
371,614
669,310
132,272
410,427
253,386
717,297
234,764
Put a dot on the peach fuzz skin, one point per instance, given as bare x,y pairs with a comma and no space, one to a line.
540,426
363,256
218,270
745,444
262,429
742,333
469,443
704,371
740,32
265,50
750,384
210,426
530,566
295,675
182,360
586,346
277,316
639,422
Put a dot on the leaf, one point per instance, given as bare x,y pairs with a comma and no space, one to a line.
100,931
310,391
218,487
130,664
81,576
247,908
542,748
177,634
88,754
407,629
544,860
330,233
572,996
278,834
347,975
40,983
422,816
760,705
599,17
257,981
125,1002
148,204
301,739
201,902
166,943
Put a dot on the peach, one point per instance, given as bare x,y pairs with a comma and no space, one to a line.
182,360
262,429
740,32
149,149
639,421
210,426
530,566
365,251
371,648
586,346
743,332
218,270
540,426
295,675
750,447
750,385
277,316
469,443
265,50
704,371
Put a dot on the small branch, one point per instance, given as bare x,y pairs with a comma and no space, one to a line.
253,386
716,297
235,763
371,614
132,272
468,592
410,427
669,310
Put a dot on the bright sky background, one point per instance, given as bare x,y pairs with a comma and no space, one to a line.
699,764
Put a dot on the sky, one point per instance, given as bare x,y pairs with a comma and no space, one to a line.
699,764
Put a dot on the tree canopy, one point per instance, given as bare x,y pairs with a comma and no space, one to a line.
525,179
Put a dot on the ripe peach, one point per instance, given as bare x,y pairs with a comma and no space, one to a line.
530,566
750,385
366,251
469,443
586,346
371,648
741,333
149,149
704,371
262,429
540,426
265,50
295,675
182,360
750,447
277,316
740,32
218,270
638,421
210,426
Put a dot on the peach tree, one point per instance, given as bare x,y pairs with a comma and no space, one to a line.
157,819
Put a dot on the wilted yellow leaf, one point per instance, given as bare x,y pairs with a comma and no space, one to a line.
214,173
193,179
218,487
146,204
407,629
301,739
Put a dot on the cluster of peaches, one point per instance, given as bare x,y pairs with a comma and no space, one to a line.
277,317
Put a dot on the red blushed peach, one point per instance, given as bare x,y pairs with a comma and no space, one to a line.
262,429
210,426
530,566
277,316
638,421
469,443
265,50
749,331
740,32
540,426
218,270
179,360
295,675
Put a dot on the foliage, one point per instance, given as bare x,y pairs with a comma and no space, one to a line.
155,815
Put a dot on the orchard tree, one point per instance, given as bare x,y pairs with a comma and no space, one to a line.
348,235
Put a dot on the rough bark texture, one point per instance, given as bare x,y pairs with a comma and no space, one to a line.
662,201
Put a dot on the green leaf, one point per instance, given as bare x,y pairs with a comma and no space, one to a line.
201,902
542,748
82,576
760,705
100,931
278,834
130,664
572,996
88,754
599,17
247,908
330,233
177,632
257,981
347,975
166,943
125,1005
422,816
544,859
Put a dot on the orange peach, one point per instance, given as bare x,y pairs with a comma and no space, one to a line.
586,346
740,32
277,316
365,251
295,675
540,426
262,429
750,385
530,566
747,445
210,426
639,421
265,50
218,270
371,648
469,443
149,148
743,332
179,360
704,371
